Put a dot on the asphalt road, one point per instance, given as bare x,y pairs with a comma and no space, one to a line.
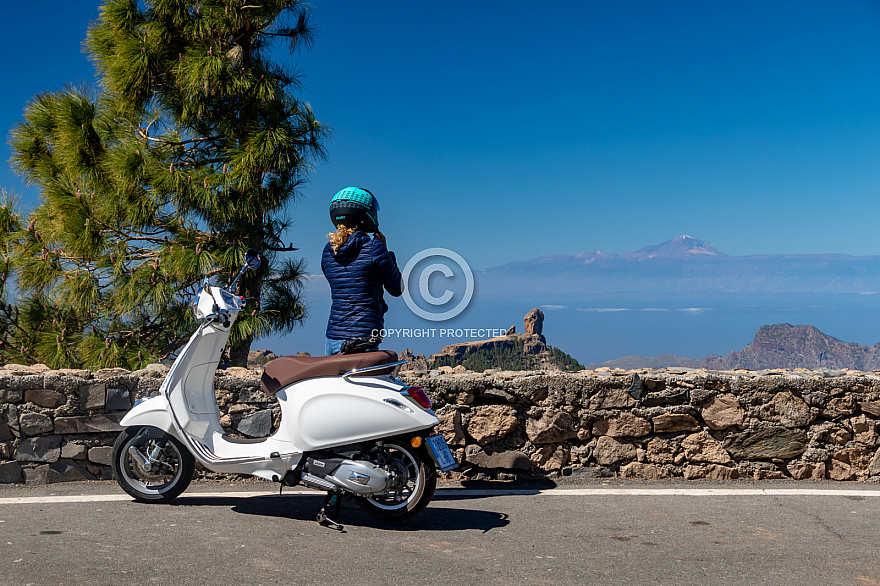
611,532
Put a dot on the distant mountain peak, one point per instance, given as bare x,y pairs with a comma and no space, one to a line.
804,346
682,247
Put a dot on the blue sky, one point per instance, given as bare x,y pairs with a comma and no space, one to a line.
510,130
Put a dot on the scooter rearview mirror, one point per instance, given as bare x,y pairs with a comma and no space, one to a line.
252,259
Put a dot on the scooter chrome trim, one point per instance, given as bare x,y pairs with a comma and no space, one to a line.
372,368
203,453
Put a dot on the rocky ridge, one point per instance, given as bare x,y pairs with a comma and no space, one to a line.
528,348
774,346
788,346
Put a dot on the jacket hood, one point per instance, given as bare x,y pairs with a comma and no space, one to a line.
353,245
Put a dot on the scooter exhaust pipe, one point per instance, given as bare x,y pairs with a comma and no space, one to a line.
318,483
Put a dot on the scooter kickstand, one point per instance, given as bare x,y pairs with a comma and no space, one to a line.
322,517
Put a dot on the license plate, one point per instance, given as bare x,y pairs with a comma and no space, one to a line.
442,455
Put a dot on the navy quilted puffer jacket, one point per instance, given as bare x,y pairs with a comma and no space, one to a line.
357,273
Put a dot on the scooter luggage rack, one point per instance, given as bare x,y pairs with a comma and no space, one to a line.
371,368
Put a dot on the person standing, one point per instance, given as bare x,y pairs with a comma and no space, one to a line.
359,269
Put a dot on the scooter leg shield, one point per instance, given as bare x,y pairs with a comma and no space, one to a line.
152,412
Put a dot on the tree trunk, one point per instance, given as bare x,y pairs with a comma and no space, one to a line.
238,354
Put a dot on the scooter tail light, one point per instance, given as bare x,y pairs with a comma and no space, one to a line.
420,396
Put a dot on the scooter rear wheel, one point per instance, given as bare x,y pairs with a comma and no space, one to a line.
416,481
170,469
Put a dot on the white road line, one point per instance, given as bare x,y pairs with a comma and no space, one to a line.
667,492
453,492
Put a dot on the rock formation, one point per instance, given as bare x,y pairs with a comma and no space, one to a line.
533,322
787,346
533,346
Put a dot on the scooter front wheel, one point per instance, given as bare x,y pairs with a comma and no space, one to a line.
414,482
151,465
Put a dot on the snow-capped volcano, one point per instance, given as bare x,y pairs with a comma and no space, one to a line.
683,246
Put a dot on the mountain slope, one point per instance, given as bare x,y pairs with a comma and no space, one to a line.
788,346
775,346
682,266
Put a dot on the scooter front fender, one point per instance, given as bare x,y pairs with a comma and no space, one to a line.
152,411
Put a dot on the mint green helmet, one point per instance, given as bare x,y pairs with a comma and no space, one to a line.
355,207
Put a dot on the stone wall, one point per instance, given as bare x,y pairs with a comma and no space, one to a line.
662,423
60,425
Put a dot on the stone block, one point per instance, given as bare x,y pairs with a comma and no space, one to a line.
106,373
874,466
491,423
450,428
588,472
92,396
45,448
717,472
764,443
609,451
806,470
45,398
840,407
10,395
101,455
253,395
118,399
509,460
702,447
258,424
108,422
30,381
849,464
625,425
789,410
75,372
710,472
73,451
553,427
6,450
722,412
9,416
871,408
34,423
550,457
661,451
643,471
673,422
611,399
5,434
36,475
67,472
11,473
864,430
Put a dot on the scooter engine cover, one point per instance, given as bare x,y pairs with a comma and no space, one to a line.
360,477
321,467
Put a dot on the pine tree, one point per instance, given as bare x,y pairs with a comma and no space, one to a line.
189,153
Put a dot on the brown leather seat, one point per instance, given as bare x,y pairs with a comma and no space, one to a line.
289,369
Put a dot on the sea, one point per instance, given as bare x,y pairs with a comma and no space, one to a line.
598,328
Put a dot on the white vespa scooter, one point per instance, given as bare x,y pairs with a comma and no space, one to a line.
348,426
